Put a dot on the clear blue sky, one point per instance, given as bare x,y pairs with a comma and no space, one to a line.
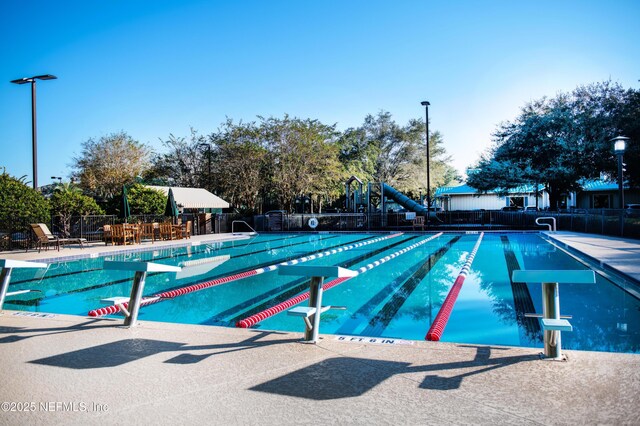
152,68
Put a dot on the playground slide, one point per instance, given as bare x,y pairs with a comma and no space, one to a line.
404,201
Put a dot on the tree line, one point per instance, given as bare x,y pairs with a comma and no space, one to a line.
269,163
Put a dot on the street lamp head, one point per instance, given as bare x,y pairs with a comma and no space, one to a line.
32,79
619,144
425,103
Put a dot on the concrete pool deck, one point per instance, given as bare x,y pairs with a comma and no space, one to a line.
620,254
63,369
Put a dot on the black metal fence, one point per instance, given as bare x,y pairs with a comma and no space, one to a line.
595,221
611,222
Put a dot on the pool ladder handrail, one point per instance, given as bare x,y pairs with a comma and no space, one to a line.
253,231
553,219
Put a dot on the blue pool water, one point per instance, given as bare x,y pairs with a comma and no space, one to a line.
398,299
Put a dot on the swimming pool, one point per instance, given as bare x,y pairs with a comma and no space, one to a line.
397,299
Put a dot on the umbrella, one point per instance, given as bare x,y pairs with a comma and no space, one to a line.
125,209
172,209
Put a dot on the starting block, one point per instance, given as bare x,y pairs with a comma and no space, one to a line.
312,312
552,322
308,311
556,324
141,269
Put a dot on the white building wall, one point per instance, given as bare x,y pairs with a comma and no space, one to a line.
474,202
491,201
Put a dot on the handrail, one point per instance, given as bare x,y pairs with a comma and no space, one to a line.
553,219
253,231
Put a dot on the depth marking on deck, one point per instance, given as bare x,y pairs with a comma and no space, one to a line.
34,314
373,340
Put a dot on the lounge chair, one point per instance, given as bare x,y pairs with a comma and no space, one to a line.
44,238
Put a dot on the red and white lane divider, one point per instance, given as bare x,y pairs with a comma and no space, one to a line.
109,310
440,322
261,316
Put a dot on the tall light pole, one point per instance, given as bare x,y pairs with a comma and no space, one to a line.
619,145
426,104
34,132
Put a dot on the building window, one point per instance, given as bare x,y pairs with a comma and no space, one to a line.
601,201
516,202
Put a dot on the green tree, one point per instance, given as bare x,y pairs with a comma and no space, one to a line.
67,201
105,164
303,158
559,142
357,155
184,163
20,205
279,159
239,165
383,151
145,200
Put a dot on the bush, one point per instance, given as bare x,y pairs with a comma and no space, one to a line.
67,201
144,200
20,205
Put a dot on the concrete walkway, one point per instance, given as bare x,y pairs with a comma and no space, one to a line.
621,254
59,369
99,248
72,370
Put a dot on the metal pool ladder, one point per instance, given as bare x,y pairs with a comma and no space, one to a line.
552,219
253,231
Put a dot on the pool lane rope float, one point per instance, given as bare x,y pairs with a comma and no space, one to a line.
110,310
440,322
276,309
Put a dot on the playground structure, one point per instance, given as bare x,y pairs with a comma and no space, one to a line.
375,199
367,206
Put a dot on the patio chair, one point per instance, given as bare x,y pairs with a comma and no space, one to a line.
148,230
418,222
168,231
121,234
134,228
186,230
106,234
